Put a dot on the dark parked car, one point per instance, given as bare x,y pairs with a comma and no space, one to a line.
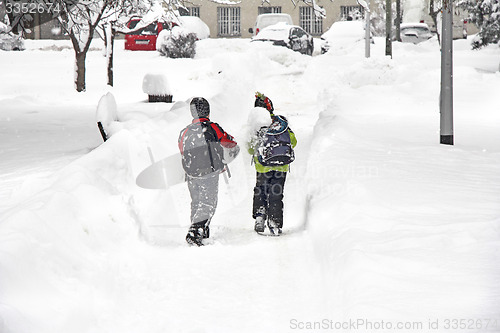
291,36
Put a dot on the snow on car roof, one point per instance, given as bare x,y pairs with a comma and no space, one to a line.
278,31
345,29
414,25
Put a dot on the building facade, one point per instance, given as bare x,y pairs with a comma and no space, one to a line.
234,20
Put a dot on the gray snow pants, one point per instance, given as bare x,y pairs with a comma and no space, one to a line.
204,193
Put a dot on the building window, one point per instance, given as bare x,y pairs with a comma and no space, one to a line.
310,22
228,21
190,11
353,12
269,9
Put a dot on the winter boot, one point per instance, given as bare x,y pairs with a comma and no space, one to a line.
195,235
274,228
206,232
259,224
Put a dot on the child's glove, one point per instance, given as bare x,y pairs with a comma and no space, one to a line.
263,101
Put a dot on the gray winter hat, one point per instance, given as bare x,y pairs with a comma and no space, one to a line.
199,107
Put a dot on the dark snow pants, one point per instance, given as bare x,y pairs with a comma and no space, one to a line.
268,196
204,193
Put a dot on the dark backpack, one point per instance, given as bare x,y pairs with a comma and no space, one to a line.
274,146
202,152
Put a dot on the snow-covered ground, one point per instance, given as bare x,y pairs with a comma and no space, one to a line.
385,229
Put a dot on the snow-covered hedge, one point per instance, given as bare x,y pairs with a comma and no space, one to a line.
176,43
157,88
193,24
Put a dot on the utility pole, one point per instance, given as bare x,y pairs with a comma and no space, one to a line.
367,31
388,28
446,95
366,6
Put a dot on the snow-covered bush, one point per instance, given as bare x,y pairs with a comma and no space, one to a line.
10,41
193,24
176,43
157,88
485,14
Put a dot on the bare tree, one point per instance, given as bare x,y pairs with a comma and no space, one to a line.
115,21
435,7
318,11
80,21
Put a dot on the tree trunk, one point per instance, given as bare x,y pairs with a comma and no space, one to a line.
388,28
80,71
81,35
80,55
398,20
110,53
433,14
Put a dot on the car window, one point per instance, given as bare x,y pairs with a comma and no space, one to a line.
299,32
151,29
418,29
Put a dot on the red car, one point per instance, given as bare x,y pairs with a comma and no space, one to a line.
143,39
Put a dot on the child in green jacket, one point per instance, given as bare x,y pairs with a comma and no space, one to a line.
272,150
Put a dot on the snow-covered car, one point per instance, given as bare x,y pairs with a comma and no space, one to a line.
268,19
143,39
343,34
149,37
9,41
290,36
415,32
